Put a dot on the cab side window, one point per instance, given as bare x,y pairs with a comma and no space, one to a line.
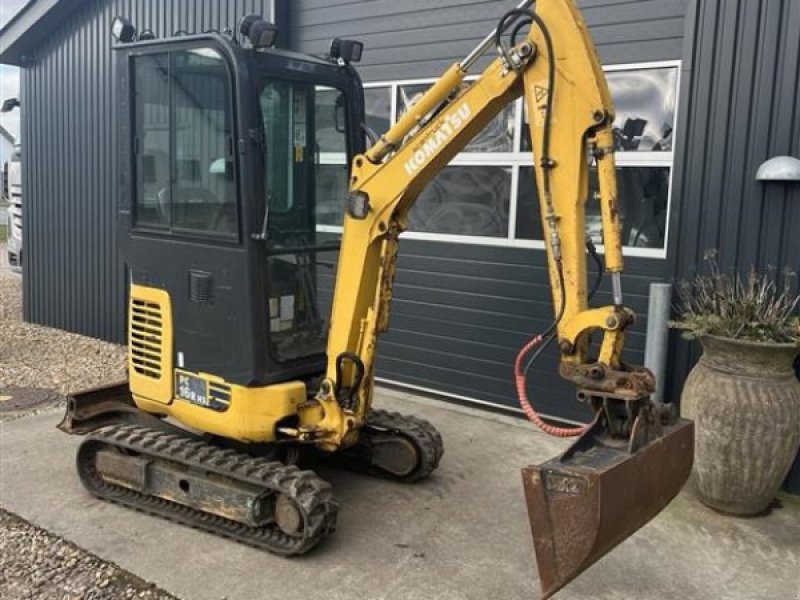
185,179
152,142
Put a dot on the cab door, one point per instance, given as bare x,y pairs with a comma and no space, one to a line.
185,236
306,166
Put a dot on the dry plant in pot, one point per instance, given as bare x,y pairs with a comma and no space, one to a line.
743,394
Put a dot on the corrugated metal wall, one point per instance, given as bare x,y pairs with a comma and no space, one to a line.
74,279
742,109
461,312
420,38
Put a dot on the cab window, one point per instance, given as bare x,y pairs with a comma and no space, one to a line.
305,186
185,180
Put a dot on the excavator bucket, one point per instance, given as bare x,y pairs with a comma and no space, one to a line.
584,503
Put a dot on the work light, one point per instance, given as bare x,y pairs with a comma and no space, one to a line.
122,30
260,33
347,50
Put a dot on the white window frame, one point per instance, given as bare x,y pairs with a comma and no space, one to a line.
517,159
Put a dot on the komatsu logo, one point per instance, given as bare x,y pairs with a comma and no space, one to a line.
436,138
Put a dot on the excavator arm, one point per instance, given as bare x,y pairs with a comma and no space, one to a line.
635,456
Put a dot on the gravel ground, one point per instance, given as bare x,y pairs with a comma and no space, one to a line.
34,564
41,357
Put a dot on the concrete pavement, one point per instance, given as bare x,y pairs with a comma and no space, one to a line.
462,535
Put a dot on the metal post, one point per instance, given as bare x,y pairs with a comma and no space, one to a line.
655,355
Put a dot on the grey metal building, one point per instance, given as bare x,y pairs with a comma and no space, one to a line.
706,90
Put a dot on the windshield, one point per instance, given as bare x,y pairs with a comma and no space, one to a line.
306,181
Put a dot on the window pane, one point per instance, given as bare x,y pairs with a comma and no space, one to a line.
464,201
378,107
276,102
645,103
306,178
329,114
332,185
644,100
643,196
204,190
529,222
331,169
151,88
497,136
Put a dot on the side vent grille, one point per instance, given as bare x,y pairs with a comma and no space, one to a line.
200,287
146,343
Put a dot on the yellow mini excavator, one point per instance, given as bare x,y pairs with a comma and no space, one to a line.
240,163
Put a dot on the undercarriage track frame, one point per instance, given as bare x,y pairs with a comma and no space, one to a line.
141,461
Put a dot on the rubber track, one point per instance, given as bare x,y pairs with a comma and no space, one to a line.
311,494
420,432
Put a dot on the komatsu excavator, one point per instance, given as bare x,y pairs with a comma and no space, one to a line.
238,163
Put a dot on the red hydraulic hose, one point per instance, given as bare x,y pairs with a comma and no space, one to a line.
533,416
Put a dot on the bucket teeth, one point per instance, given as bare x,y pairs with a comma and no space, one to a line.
584,503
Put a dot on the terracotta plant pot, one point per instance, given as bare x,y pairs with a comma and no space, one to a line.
745,400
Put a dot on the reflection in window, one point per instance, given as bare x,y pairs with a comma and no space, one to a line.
306,178
465,201
529,221
183,125
203,192
332,185
332,168
471,200
151,87
643,196
277,99
497,136
330,120
378,109
644,100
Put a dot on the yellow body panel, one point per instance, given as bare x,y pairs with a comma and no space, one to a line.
252,415
252,412
150,343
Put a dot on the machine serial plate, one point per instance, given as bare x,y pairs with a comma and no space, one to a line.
191,388
197,391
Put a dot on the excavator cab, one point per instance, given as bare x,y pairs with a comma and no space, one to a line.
239,157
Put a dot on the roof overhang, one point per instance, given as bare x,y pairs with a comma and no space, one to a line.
29,27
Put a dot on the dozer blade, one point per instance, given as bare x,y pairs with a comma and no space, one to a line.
584,503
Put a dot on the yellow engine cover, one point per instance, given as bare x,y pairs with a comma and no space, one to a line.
198,400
